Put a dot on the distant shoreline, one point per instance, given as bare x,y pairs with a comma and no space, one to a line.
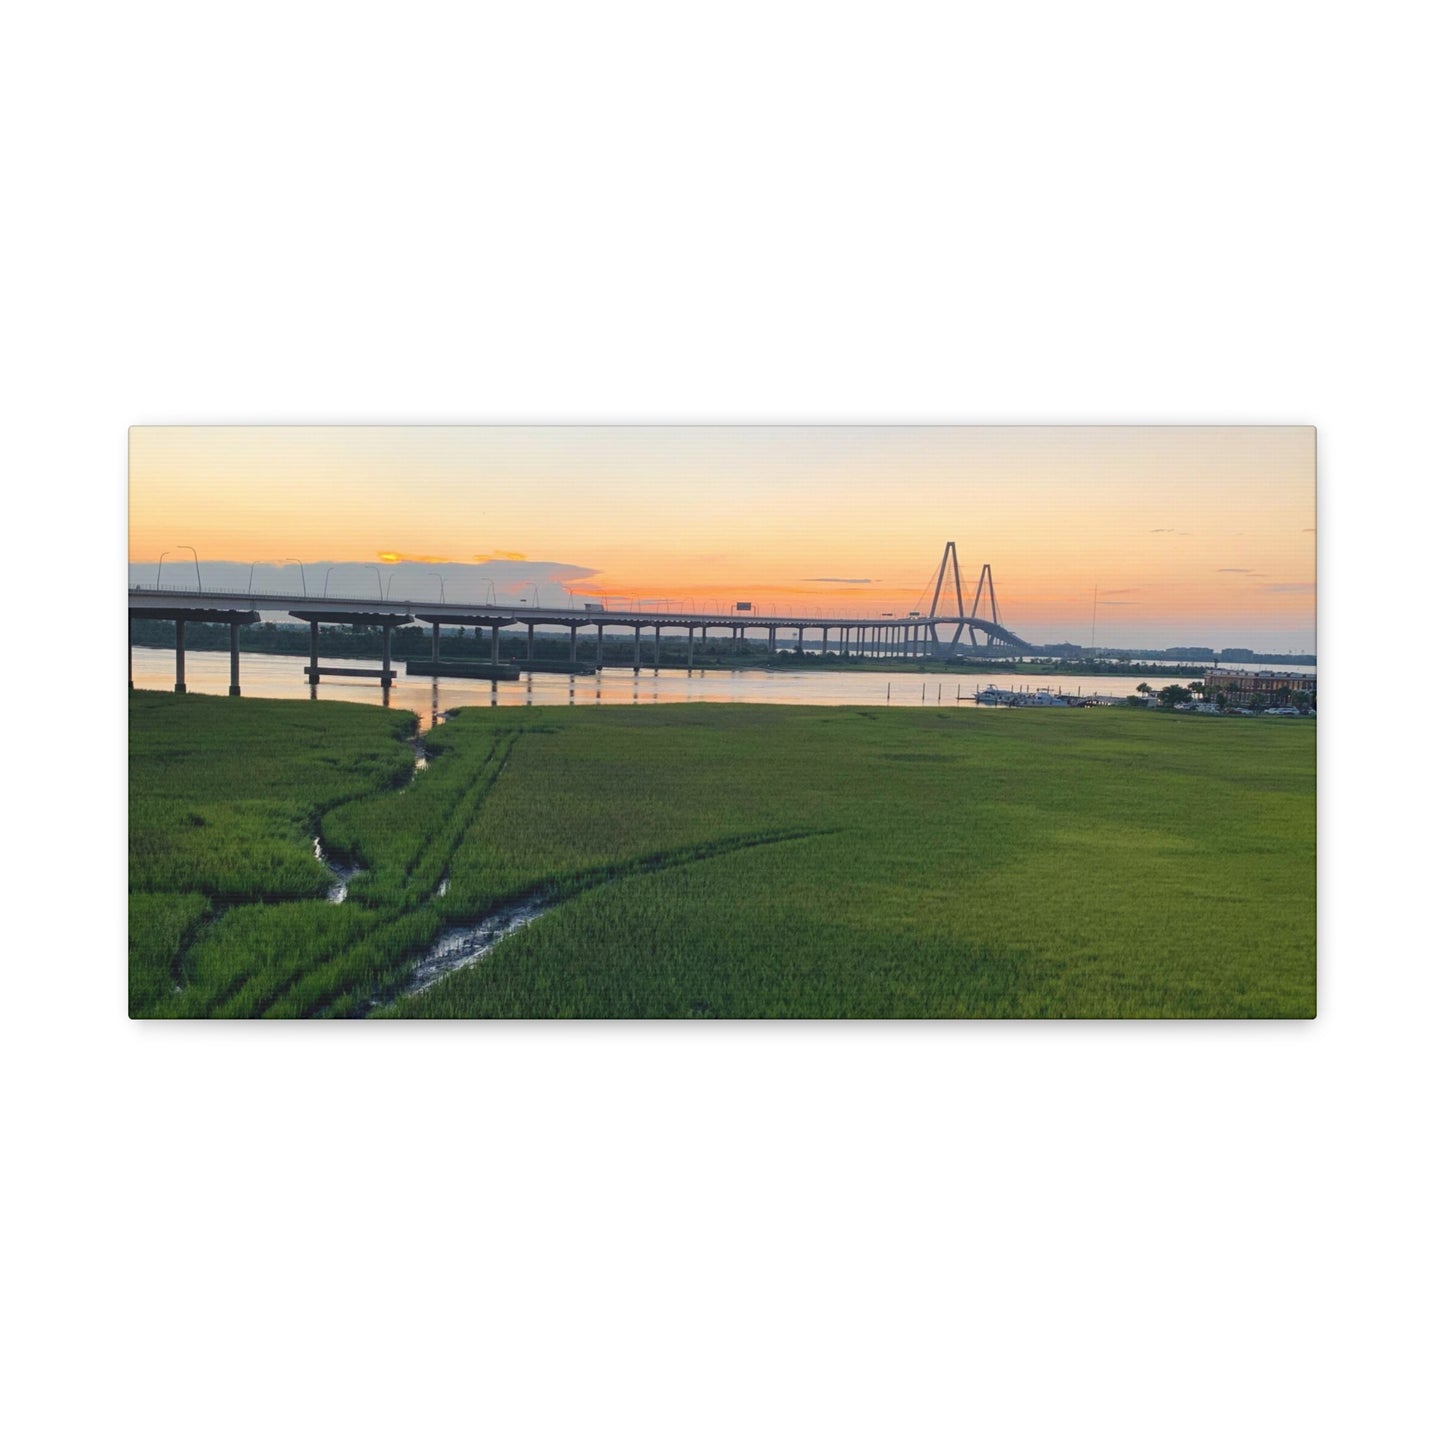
338,642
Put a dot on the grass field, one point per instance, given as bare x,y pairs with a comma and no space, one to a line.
726,861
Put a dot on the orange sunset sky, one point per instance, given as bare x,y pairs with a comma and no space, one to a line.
1191,535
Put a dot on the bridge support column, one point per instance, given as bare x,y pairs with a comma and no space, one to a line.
180,655
311,673
599,647
824,652
235,689
531,627
689,649
385,656
636,648
496,644
657,646
800,639
572,649
436,643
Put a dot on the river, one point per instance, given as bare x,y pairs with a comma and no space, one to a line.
271,675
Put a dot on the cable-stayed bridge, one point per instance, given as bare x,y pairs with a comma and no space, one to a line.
916,635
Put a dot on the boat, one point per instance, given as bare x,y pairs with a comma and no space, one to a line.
1001,697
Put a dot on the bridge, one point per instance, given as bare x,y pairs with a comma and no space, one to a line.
914,636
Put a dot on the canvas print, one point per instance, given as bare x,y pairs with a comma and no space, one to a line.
841,722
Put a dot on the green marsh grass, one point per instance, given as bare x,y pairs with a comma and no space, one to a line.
732,861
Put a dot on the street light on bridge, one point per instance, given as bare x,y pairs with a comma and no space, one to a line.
443,583
163,557
252,572
297,561
377,570
181,546
326,581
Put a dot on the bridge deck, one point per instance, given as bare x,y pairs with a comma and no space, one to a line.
151,601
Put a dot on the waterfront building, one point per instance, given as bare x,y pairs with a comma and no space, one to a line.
1251,688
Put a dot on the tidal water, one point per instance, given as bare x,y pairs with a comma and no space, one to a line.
267,675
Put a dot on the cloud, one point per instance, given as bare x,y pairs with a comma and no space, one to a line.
1174,530
500,557
1114,602
1161,529
394,557
1243,571
846,581
1288,587
1119,591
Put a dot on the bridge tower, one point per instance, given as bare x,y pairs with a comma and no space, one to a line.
950,554
985,578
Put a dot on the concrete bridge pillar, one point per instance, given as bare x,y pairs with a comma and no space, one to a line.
689,649
572,649
531,627
385,655
496,644
180,655
436,643
825,642
311,671
772,639
800,639
636,647
599,647
657,645
235,688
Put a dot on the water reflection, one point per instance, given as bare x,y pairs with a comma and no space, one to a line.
267,675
